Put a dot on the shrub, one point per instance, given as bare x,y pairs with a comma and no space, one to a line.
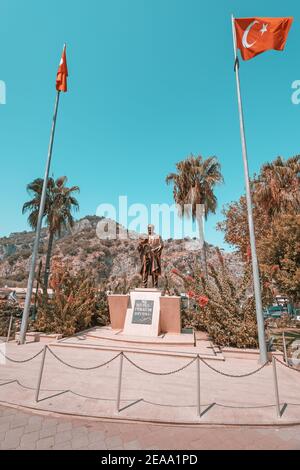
12,259
75,305
101,316
19,276
25,254
6,310
69,249
222,306
91,249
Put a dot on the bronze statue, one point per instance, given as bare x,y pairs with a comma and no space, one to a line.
150,249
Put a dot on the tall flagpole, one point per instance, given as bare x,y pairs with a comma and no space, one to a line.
26,311
255,268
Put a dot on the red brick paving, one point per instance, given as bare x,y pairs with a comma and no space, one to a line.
25,430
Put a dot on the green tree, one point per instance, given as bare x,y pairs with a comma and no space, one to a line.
279,254
60,202
276,188
276,207
235,225
193,185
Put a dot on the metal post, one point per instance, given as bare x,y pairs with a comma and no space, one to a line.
276,387
255,268
26,311
284,348
198,387
120,382
37,288
9,328
40,374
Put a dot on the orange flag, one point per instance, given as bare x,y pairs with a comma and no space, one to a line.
257,35
62,73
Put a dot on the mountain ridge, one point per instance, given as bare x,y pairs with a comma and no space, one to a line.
109,261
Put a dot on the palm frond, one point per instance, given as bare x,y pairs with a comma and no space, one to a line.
194,183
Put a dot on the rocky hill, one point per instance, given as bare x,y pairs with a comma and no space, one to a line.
109,261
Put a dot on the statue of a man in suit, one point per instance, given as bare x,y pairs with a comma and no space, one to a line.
150,249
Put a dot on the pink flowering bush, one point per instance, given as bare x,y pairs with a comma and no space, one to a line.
221,306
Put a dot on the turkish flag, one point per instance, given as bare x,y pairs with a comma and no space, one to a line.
62,73
257,35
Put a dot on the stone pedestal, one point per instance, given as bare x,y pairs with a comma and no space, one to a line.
118,305
170,318
143,313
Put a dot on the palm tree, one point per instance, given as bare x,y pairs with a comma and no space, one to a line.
193,185
58,210
276,189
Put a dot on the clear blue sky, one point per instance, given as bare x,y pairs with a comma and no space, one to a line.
150,82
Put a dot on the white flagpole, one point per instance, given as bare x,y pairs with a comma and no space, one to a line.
255,268
26,311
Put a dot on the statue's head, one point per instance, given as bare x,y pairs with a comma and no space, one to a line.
150,229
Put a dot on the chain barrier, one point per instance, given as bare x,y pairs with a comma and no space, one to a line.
243,407
231,375
26,387
21,361
83,368
159,373
148,402
286,365
142,369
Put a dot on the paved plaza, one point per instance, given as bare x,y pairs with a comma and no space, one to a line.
156,388
76,407
26,430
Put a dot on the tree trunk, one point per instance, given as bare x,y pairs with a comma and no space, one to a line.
48,260
203,256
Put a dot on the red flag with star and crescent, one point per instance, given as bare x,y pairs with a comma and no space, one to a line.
62,73
257,35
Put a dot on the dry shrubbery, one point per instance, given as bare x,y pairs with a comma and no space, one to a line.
6,310
76,304
222,307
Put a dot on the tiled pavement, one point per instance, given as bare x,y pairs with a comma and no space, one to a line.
25,430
